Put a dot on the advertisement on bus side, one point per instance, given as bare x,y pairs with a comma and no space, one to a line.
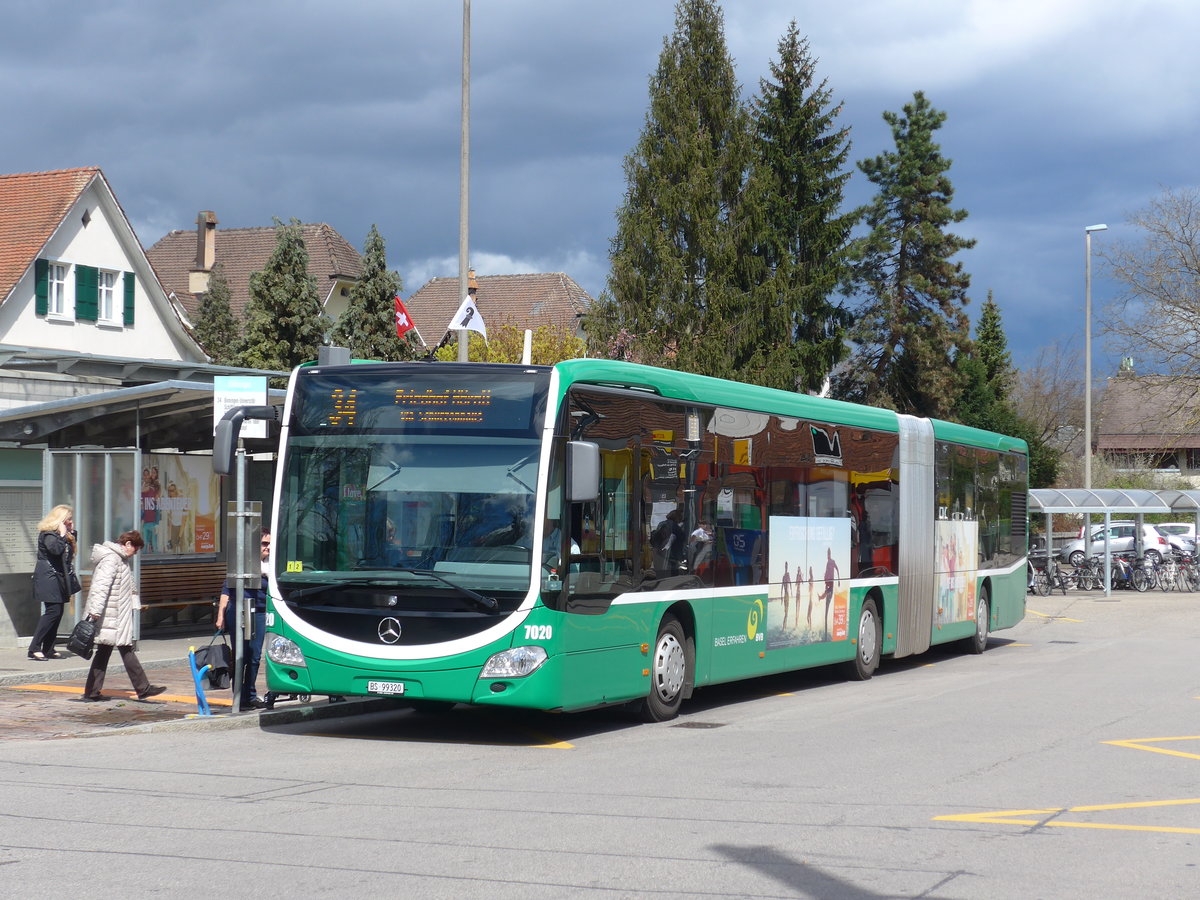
809,597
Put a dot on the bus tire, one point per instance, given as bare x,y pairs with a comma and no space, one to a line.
866,647
977,643
671,661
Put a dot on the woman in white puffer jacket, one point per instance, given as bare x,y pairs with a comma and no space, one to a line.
110,605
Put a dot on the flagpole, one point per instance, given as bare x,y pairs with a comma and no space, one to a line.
463,173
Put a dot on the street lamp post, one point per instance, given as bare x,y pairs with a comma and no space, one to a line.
1087,354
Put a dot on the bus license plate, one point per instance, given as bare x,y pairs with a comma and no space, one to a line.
385,687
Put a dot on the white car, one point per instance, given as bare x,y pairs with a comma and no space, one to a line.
1121,538
1182,536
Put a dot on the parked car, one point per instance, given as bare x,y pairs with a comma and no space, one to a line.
1121,538
1182,536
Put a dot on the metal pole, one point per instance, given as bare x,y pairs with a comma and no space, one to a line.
463,174
239,591
1087,362
1087,354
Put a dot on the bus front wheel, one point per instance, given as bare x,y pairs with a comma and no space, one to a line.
977,643
866,655
670,668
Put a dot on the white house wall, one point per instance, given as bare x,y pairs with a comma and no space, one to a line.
99,245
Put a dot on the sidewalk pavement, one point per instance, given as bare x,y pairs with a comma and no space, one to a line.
43,700
154,653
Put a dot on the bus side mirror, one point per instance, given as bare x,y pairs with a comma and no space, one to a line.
226,438
583,471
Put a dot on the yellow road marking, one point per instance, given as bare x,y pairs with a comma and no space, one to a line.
1021,817
1137,744
119,695
1046,616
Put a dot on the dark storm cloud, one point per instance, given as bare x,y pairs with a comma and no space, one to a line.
1061,114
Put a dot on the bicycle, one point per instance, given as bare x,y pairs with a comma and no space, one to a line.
1090,574
1039,575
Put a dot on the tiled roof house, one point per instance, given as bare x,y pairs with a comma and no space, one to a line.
185,261
526,301
1152,419
75,284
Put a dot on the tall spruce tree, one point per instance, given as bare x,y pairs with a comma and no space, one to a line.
913,322
674,292
284,326
368,326
991,344
795,334
216,330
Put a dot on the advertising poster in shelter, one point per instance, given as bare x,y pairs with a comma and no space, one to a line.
809,592
180,499
957,554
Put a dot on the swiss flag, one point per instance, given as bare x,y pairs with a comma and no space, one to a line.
404,323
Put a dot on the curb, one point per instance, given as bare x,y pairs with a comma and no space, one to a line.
263,719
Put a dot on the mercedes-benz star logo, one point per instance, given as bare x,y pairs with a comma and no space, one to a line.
389,630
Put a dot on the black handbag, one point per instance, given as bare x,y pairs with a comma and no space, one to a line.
83,638
220,660
73,585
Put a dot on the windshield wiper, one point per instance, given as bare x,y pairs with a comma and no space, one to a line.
487,604
513,468
396,469
341,582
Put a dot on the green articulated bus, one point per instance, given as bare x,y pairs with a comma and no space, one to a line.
598,532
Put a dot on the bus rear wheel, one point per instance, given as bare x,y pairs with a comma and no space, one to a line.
670,669
866,656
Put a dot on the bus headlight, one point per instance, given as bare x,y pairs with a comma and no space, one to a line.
515,663
284,652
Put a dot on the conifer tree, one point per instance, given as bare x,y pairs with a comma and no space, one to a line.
284,325
368,326
674,288
913,323
991,345
799,234
216,330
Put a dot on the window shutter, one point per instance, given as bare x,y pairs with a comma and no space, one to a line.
129,282
87,294
41,279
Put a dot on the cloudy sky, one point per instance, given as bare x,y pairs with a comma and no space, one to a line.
1061,114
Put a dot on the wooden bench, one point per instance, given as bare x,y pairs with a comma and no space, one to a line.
183,592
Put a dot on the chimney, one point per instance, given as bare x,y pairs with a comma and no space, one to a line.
472,284
206,251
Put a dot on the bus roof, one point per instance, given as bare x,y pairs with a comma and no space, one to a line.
719,392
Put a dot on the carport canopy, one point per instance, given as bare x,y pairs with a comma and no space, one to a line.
1107,501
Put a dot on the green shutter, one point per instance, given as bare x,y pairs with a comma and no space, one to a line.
87,294
129,282
41,280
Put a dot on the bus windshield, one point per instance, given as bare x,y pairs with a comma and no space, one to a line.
404,479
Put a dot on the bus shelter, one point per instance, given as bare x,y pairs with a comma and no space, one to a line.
1125,503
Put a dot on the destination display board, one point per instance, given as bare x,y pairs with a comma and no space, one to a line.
404,402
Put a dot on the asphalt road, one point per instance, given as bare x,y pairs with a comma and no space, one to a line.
1062,763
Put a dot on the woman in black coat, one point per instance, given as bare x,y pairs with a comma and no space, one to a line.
54,578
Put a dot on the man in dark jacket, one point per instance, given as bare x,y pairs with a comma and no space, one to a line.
251,655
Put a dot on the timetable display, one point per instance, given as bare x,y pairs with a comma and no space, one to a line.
338,401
